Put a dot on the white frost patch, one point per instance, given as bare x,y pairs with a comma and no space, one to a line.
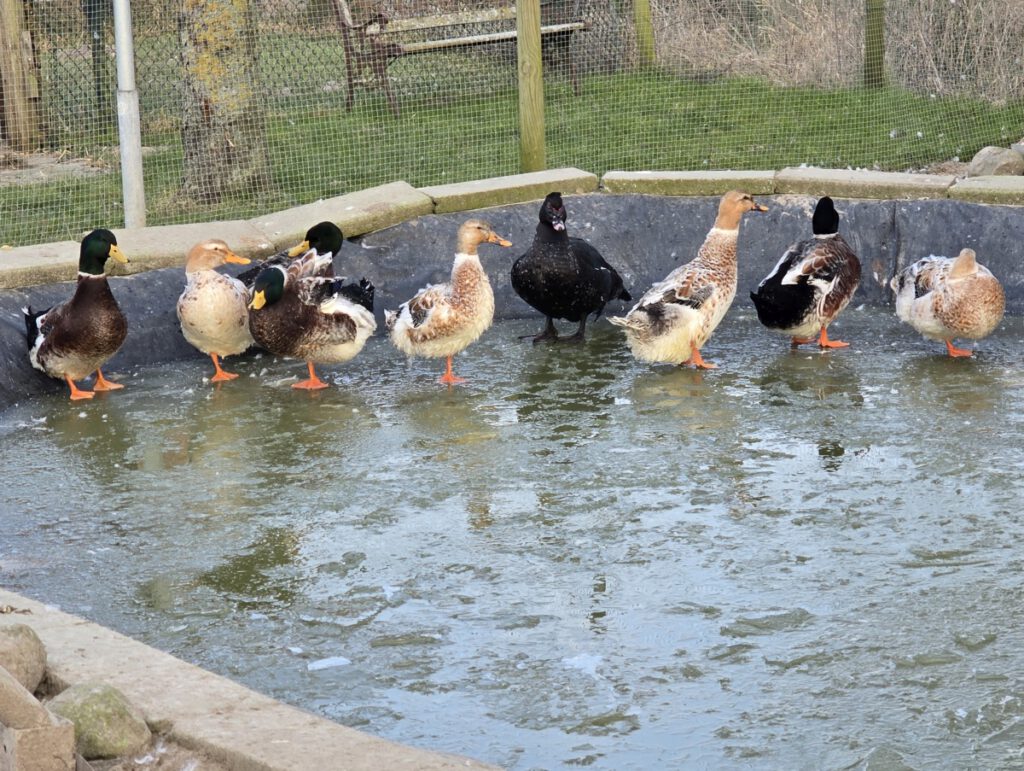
294,649
390,591
622,400
586,663
328,663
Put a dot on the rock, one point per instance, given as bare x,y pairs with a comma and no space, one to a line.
107,725
18,707
49,747
23,655
996,161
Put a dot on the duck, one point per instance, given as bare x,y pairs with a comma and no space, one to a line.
323,237
563,277
812,283
71,340
297,312
213,310
676,316
442,320
945,298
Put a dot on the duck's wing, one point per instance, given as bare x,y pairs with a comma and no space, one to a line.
429,307
611,281
688,285
829,266
312,263
338,317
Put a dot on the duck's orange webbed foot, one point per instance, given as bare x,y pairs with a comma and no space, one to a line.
957,352
449,378
696,360
824,342
102,384
220,375
76,392
313,383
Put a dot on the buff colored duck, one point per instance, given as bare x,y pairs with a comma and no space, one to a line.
443,319
944,298
73,339
812,283
676,316
299,313
212,309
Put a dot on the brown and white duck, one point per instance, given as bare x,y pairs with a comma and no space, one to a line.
676,316
443,319
297,312
944,298
212,309
812,283
75,338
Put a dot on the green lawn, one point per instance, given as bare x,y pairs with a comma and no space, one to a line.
621,121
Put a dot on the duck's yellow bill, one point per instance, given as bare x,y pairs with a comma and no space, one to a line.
258,301
299,249
117,254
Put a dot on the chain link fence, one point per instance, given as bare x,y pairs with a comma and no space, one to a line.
249,106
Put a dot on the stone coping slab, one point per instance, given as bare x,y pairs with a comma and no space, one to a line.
1004,190
516,188
363,211
201,711
39,264
850,183
688,182
165,246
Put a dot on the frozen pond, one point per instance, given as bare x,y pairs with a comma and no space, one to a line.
800,560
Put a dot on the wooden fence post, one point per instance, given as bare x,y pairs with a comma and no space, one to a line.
531,87
644,32
19,81
874,44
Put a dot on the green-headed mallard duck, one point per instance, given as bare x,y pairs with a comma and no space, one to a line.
677,315
563,277
75,338
811,284
944,298
212,309
443,319
323,238
298,312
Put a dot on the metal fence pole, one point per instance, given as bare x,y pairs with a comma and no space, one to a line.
531,86
129,127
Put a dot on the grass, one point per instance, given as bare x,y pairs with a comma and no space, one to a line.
622,121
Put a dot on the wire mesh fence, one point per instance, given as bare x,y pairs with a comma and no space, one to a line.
252,105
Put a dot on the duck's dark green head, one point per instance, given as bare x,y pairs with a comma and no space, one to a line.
825,221
97,247
324,237
268,288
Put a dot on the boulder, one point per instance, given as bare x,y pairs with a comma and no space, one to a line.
23,655
107,725
996,161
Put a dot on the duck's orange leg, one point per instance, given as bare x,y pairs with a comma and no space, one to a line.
957,352
448,378
313,383
102,384
696,360
824,342
220,375
76,392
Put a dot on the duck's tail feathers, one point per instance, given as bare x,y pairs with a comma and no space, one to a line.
32,330
360,294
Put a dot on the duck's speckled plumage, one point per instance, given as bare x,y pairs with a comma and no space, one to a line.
812,283
677,315
323,238
212,308
75,338
563,277
316,318
443,319
945,298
